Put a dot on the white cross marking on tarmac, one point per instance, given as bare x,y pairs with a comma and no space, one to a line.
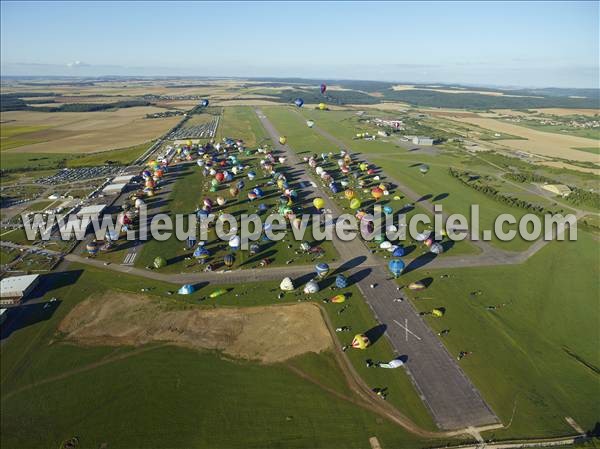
408,331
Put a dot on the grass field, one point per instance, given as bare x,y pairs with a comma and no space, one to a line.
17,136
172,397
402,165
241,122
537,353
593,150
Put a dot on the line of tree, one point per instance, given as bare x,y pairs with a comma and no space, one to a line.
523,177
476,182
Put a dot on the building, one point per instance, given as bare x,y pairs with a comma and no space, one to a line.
14,289
91,211
557,189
422,140
123,179
113,189
392,123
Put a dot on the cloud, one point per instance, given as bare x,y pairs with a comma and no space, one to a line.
77,64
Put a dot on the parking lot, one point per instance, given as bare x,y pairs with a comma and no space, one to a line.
66,175
200,131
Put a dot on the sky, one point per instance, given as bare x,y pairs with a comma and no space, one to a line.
527,44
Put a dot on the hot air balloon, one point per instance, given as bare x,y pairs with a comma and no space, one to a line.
387,210
438,313
217,293
338,299
349,194
376,193
186,289
219,177
251,176
159,262
360,341
319,203
234,243
396,266
398,252
311,287
299,102
287,285
322,269
201,253
422,236
310,123
228,260
322,106
92,248
323,88
341,281
234,191
204,103
417,285
355,203
424,168
221,201
392,364
282,140
436,248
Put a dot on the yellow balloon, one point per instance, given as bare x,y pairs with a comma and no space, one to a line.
355,203
360,341
349,194
322,106
282,140
319,203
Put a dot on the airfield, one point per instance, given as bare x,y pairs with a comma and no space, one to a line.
120,353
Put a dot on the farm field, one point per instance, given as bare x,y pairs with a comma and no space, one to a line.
80,132
538,142
534,357
190,386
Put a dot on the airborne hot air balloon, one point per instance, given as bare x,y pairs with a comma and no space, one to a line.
360,341
282,140
322,106
299,102
396,266
159,262
204,103
323,88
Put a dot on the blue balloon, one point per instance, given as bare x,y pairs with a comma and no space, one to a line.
396,266
201,253
322,269
204,103
240,185
388,210
398,252
341,281
201,214
186,289
259,193
299,102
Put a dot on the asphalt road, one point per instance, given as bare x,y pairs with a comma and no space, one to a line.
446,391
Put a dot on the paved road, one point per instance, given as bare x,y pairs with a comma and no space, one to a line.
446,391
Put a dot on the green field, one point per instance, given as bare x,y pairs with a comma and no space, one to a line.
538,353
593,150
173,397
124,156
240,122
12,136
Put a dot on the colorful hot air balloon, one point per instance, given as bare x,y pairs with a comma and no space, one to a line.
204,103
159,262
201,253
217,293
376,193
396,266
319,203
92,248
355,203
338,299
186,289
282,140
228,260
349,194
323,88
299,102
360,341
341,281
220,177
322,269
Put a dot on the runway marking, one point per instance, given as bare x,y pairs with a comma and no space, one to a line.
407,330
129,258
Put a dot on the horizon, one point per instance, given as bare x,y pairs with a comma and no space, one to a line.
549,44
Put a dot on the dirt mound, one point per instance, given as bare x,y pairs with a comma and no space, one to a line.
269,334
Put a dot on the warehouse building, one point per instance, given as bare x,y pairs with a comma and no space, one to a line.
113,189
14,289
422,140
557,189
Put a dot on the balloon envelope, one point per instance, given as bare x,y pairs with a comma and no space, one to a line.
186,289
396,266
360,341
299,102
341,281
159,262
